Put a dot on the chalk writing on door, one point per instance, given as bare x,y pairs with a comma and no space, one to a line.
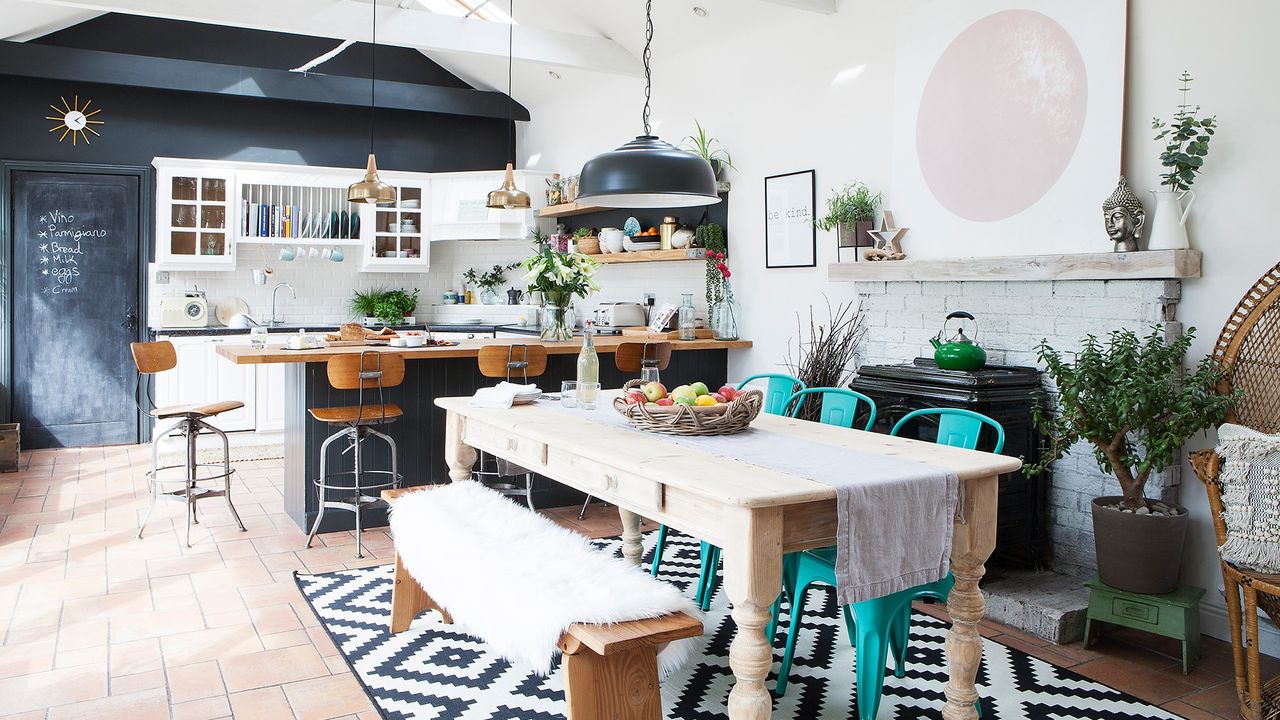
61,250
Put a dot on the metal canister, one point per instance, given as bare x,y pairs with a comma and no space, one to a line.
669,225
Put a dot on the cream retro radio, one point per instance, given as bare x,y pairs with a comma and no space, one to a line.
190,309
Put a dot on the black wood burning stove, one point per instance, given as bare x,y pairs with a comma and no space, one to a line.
1005,394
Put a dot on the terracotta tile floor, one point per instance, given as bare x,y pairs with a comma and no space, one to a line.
97,624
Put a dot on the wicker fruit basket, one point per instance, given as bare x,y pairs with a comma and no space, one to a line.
725,419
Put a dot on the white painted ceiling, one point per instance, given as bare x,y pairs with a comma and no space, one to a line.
565,37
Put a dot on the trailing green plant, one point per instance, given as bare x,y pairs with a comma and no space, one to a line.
491,278
1132,400
711,237
851,203
1186,137
703,146
826,357
389,306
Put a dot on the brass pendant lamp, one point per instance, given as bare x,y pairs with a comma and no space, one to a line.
509,197
371,189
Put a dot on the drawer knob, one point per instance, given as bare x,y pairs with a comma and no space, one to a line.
610,482
511,443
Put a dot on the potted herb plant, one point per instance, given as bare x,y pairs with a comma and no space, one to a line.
1186,137
389,307
488,281
704,146
1131,399
851,212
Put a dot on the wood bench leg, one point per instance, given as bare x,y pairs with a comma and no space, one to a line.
619,686
408,599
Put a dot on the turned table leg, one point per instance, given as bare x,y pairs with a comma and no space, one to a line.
460,457
632,543
752,578
972,544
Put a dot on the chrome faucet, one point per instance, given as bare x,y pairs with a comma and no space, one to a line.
275,319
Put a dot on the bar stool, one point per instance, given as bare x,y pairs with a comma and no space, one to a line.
509,362
370,370
154,357
647,360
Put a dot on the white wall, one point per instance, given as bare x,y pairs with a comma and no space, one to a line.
787,90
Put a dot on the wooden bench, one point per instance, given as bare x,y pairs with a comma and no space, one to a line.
610,671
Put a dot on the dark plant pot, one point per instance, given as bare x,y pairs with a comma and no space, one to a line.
1138,553
854,234
718,167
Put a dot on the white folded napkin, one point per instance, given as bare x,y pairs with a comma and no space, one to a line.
501,395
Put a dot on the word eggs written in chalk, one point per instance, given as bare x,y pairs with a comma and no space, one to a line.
61,250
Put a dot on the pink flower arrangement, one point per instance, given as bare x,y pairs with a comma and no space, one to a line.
720,265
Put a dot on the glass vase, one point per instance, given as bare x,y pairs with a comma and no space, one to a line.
558,322
488,296
726,316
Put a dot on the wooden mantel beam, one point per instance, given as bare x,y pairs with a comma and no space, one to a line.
411,27
1146,265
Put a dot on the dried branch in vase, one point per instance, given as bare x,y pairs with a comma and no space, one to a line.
827,357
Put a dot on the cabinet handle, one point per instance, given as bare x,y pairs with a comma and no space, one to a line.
512,443
610,481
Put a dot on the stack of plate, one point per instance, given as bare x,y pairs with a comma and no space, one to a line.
639,246
526,398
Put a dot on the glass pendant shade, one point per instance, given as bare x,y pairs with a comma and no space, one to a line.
371,189
647,173
508,197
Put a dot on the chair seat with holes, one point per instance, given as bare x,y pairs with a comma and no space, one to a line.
196,411
356,415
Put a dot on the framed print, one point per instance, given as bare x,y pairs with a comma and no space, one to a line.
790,239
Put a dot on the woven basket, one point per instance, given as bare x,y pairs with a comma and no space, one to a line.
589,245
725,419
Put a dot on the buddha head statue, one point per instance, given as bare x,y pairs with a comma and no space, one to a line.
1123,215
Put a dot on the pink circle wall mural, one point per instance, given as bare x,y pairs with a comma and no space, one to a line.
1001,115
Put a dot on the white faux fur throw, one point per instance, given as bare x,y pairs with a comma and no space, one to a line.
1250,477
517,580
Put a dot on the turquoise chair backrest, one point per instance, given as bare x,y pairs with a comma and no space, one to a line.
839,406
777,391
957,427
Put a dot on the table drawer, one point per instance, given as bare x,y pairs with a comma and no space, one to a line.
1135,610
629,490
505,444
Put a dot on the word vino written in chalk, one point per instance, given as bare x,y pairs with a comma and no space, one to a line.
61,250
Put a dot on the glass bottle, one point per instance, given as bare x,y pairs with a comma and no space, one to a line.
725,316
688,318
588,366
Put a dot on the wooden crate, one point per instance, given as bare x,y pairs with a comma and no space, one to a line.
10,446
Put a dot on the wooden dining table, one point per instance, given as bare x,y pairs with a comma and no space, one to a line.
755,514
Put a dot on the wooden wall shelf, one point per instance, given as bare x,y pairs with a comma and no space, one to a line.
569,210
1148,265
651,256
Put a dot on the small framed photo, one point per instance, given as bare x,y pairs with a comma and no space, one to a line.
790,239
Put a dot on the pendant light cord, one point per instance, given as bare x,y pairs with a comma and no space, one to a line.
511,45
648,54
373,74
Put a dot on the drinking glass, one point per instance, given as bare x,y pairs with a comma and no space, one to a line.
649,372
569,394
588,395
258,337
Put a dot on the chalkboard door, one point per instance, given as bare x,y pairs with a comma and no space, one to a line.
75,303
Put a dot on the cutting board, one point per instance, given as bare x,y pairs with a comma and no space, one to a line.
644,333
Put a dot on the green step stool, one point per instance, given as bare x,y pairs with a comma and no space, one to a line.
1175,614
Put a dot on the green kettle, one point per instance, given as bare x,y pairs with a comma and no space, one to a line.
960,352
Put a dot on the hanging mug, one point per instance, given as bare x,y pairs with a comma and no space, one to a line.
337,254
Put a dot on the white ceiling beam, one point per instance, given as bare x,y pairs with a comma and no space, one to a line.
410,28
825,7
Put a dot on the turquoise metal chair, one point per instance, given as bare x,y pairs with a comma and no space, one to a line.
778,391
839,406
881,625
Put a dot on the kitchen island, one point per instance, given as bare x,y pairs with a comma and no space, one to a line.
430,373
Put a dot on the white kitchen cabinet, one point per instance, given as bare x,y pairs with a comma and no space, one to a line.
195,216
399,234
202,376
271,390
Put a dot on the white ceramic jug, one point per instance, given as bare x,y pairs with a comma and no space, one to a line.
1169,230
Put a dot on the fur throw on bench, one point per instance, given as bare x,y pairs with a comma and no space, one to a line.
516,579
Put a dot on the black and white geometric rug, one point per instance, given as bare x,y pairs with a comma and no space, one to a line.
432,672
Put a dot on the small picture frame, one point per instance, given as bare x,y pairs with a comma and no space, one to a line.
790,239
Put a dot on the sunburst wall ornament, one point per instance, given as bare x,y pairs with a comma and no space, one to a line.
74,120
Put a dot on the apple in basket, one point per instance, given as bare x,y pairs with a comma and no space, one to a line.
728,392
665,402
653,391
635,397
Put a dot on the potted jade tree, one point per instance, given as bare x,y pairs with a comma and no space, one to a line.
1133,402
851,212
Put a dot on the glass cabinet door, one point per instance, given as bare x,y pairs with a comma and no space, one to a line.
196,226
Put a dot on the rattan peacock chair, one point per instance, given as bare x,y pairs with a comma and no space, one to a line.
1249,350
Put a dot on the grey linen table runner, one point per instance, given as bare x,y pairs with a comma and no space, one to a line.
894,516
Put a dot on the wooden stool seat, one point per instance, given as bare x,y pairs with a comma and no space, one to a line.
356,415
196,411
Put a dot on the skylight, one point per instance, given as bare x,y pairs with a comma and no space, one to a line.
483,9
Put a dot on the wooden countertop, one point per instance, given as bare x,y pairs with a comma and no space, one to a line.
245,354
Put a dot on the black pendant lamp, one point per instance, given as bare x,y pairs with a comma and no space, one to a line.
509,197
647,172
371,189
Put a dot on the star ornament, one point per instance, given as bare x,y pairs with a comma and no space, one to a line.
75,120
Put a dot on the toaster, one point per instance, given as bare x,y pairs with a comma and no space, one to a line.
620,314
186,310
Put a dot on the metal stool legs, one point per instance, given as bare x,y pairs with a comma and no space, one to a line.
506,488
191,492
359,499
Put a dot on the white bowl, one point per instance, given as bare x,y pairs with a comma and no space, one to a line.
637,246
